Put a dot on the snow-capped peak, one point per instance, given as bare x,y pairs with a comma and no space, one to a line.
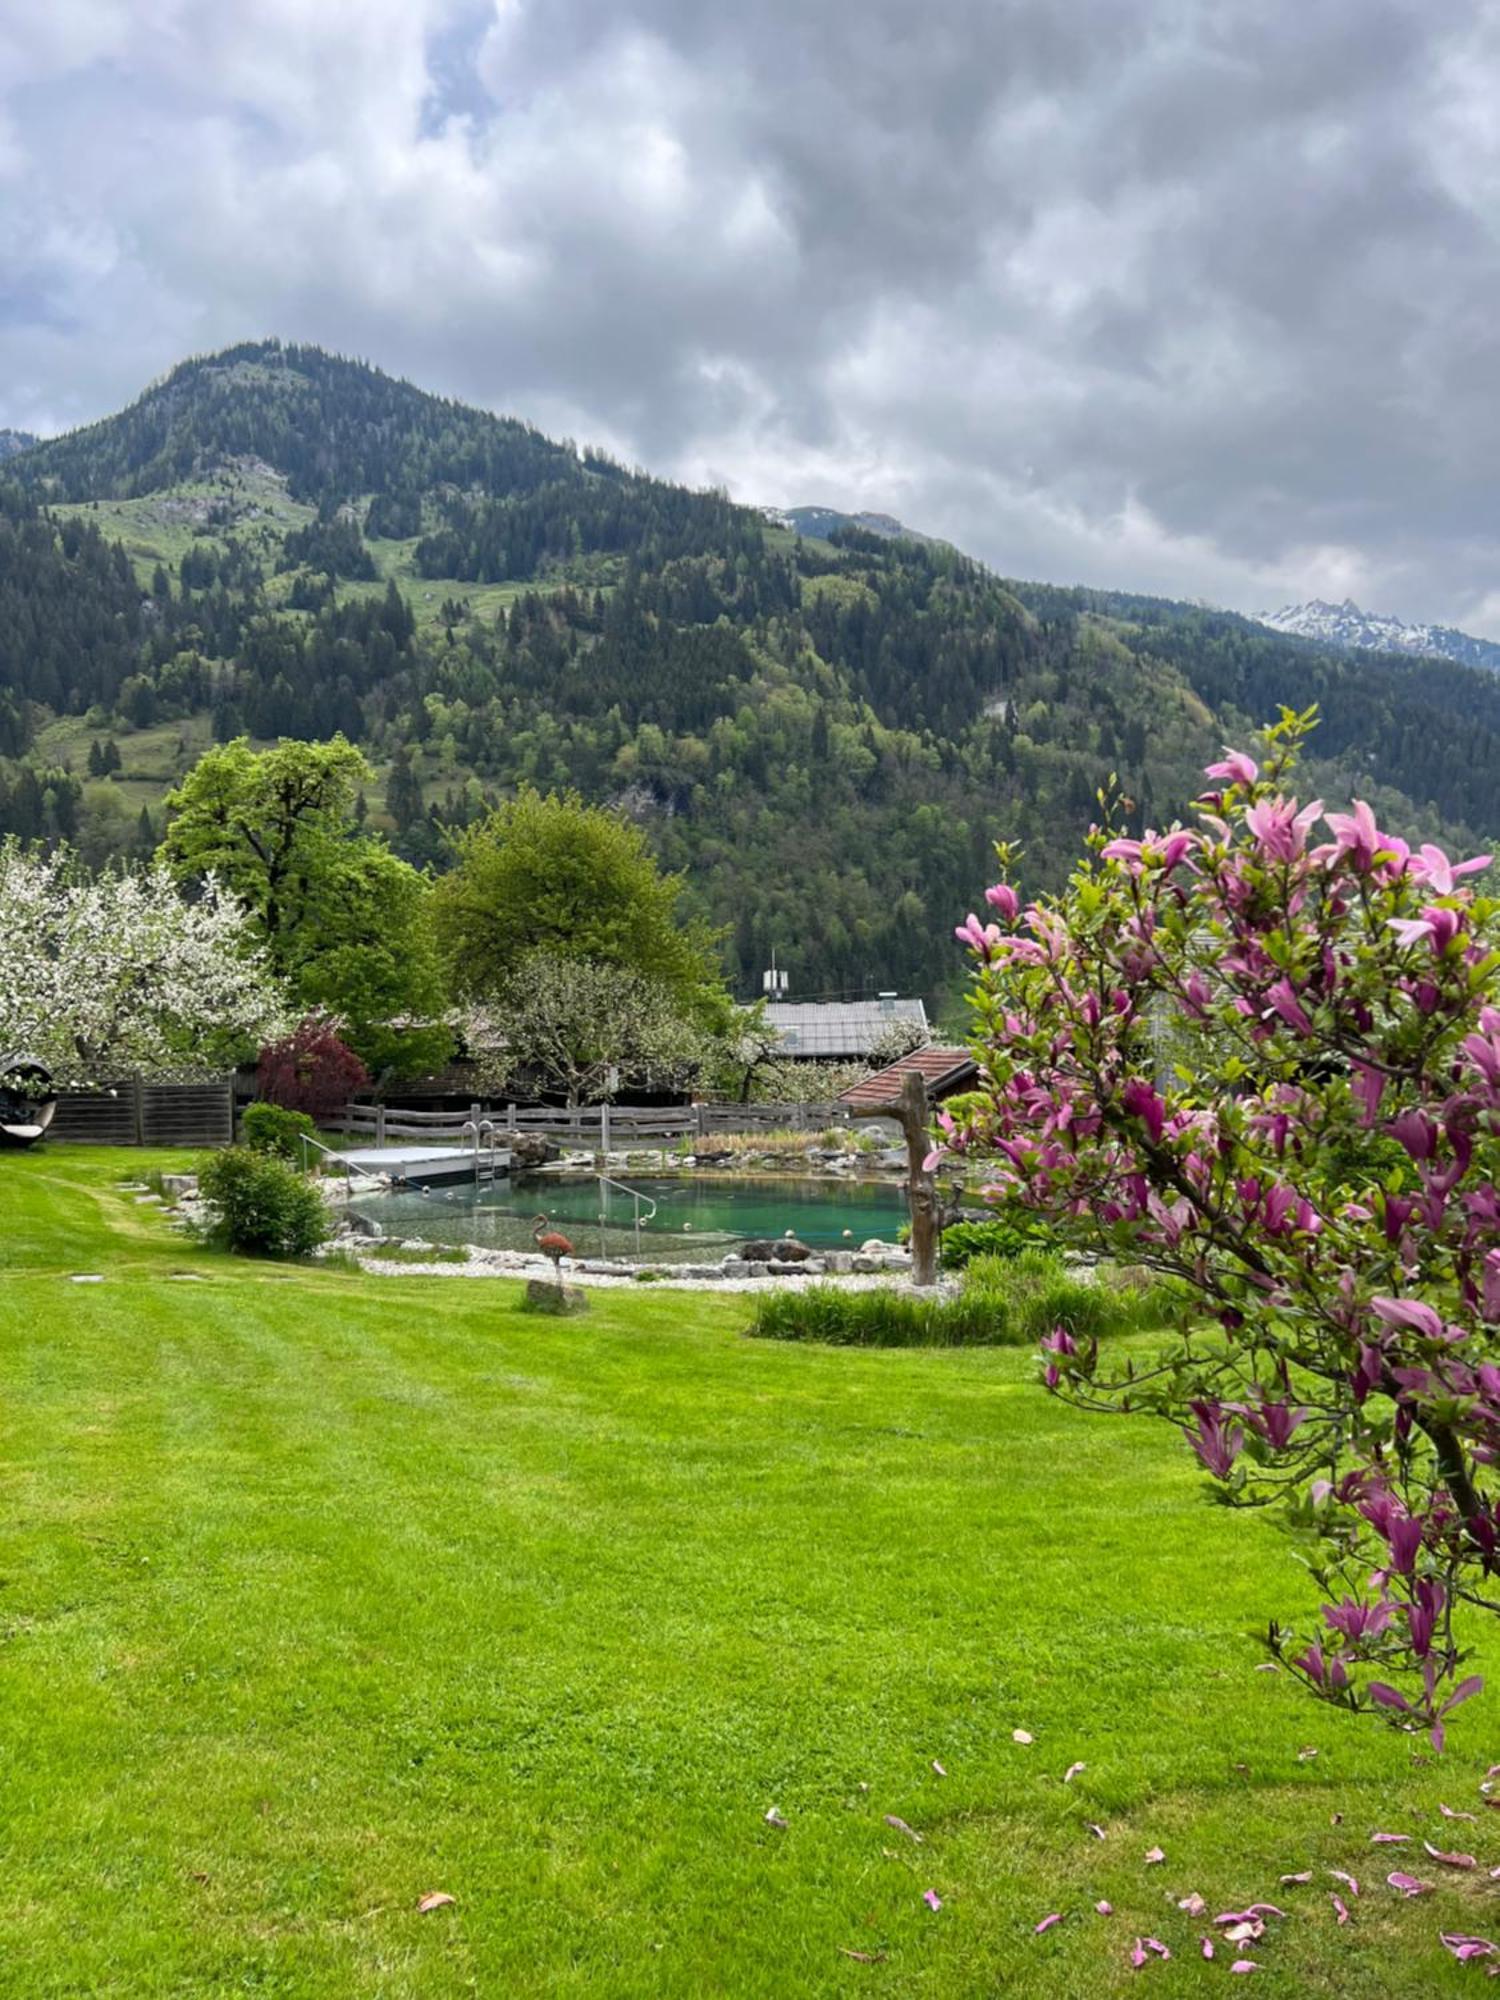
1346,625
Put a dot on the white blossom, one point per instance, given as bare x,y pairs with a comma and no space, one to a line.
103,977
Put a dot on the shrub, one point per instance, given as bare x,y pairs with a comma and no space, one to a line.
271,1128
261,1206
996,1236
310,1070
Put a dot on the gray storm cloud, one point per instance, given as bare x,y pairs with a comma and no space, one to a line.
1166,295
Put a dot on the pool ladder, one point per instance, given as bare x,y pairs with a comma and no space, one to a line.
605,1184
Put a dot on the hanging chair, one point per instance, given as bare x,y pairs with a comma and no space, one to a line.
27,1100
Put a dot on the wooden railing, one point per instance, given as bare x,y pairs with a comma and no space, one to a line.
596,1127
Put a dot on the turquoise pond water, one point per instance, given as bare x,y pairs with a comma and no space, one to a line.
696,1220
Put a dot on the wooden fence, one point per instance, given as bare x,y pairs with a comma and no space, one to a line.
133,1112
597,1127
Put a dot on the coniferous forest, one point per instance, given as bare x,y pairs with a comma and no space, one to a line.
824,737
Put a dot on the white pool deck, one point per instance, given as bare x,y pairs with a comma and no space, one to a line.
424,1166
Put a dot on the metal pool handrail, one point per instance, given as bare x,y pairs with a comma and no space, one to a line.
380,1180
605,1181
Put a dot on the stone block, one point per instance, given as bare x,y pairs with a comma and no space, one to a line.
561,1301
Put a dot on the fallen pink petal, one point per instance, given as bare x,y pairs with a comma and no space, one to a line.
1450,1860
1194,1904
1047,1922
938,1768
1072,1772
1464,1948
1449,1813
1206,1946
774,1817
901,1827
1245,1965
1287,1880
1348,1880
1137,1954
1105,1909
1095,1829
435,1899
1022,1736
932,1899
1153,1855
1340,1907
1388,1839
1408,1884
1156,1945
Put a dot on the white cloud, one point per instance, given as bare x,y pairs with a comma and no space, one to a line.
1157,294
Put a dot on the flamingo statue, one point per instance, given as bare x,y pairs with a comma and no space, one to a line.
552,1243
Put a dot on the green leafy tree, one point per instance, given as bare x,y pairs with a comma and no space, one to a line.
345,922
551,874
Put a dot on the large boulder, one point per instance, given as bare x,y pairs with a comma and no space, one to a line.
531,1149
560,1301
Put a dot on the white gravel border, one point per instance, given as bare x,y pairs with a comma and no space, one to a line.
516,1264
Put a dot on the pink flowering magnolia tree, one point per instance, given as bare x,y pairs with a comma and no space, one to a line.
1262,1056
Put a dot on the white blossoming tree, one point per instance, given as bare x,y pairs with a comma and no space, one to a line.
100,977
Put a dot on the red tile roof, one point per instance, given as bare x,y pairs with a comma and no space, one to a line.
945,1071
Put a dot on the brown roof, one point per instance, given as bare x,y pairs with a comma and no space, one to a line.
945,1071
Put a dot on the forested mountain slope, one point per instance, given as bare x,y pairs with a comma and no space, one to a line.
824,736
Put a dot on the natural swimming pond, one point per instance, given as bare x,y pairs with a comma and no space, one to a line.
696,1219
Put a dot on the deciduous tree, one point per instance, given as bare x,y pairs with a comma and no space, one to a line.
1262,1054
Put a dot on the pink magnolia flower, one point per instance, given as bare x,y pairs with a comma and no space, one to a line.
1354,1621
1236,767
1217,1444
1141,1101
1003,898
1431,865
1412,1313
1280,830
1356,835
1283,1001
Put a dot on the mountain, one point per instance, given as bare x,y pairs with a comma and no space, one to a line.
1347,626
824,523
823,737
13,441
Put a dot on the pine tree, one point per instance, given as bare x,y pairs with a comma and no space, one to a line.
403,791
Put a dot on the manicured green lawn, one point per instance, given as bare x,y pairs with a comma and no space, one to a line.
320,1592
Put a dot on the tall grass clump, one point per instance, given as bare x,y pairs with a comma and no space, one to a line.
1004,1302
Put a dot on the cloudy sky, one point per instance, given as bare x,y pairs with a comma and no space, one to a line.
1181,295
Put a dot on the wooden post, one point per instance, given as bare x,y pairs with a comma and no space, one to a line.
604,1136
138,1107
921,1191
380,1124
